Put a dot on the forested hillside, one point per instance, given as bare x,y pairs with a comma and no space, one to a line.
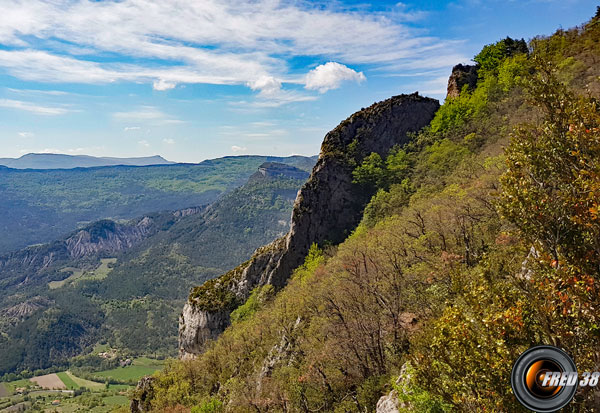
42,205
481,241
123,284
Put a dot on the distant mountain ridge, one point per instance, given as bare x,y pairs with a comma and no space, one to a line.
62,161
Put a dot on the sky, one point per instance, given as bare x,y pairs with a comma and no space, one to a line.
199,79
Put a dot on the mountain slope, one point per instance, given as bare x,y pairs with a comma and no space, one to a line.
455,269
327,208
132,297
42,205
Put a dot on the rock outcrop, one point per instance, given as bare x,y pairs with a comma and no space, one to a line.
461,75
391,402
328,207
270,170
141,395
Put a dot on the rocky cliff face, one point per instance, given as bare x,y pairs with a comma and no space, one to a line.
328,207
461,75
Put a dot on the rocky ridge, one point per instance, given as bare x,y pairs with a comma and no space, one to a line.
462,75
100,238
327,209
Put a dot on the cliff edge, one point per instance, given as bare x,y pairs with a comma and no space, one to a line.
328,207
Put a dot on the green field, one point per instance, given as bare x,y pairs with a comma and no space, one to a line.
141,367
67,380
117,400
101,272
92,385
76,273
11,386
3,391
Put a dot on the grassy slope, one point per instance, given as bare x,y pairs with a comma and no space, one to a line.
141,367
83,383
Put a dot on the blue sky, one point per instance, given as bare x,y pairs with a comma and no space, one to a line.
198,79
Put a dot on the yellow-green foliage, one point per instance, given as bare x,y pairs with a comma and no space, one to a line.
258,296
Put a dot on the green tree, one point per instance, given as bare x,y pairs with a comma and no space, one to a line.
371,172
492,55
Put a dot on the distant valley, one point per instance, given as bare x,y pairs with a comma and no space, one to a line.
124,283
43,205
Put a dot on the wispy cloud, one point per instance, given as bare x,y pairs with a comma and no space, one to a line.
244,42
32,107
26,134
148,114
169,141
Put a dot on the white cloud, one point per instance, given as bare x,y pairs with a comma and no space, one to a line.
130,128
242,42
236,148
26,134
330,76
267,85
32,107
144,142
162,85
169,141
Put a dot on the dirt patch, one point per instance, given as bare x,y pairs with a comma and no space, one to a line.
3,391
49,381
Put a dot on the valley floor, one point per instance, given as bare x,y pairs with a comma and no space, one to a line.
66,392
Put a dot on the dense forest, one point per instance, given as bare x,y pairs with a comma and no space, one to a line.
481,240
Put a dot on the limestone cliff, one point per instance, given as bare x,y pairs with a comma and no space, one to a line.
461,75
327,209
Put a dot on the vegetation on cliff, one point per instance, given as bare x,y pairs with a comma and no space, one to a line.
467,255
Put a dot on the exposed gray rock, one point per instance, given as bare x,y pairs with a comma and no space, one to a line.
328,207
270,170
100,238
283,351
388,403
107,236
461,75
196,327
142,394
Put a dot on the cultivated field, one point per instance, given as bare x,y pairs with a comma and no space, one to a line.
141,367
92,385
3,391
50,381
76,273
